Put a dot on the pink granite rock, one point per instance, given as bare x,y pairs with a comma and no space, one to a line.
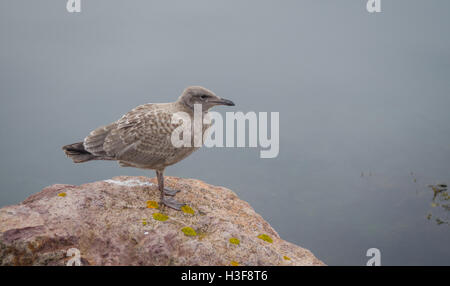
109,223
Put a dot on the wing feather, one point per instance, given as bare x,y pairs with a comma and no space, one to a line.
142,136
94,142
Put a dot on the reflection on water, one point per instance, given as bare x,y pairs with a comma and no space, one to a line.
440,204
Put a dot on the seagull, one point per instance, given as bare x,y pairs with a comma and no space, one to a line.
142,137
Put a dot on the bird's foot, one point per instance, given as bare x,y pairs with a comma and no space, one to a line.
170,192
172,203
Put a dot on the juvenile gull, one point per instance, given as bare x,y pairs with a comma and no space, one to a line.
142,137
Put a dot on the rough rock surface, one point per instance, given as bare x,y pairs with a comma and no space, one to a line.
111,223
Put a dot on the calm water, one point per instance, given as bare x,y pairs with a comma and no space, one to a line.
363,99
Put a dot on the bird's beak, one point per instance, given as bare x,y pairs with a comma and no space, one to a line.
223,101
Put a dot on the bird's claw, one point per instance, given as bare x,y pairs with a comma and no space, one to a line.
172,203
170,192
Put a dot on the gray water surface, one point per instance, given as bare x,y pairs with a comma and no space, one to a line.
363,99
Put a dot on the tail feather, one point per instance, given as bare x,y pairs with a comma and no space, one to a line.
77,153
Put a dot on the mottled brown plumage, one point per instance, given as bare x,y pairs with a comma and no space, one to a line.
142,137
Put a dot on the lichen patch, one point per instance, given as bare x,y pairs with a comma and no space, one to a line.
189,231
152,205
187,209
265,237
235,241
160,216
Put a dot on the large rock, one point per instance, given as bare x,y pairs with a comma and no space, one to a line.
111,223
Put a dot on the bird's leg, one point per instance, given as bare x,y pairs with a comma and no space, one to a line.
170,202
160,178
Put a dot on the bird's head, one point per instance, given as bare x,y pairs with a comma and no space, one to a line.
200,95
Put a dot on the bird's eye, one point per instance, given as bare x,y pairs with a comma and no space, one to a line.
203,96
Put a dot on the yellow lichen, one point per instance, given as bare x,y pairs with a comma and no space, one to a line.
160,216
152,205
62,194
144,221
187,209
265,237
189,231
234,263
286,257
234,240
